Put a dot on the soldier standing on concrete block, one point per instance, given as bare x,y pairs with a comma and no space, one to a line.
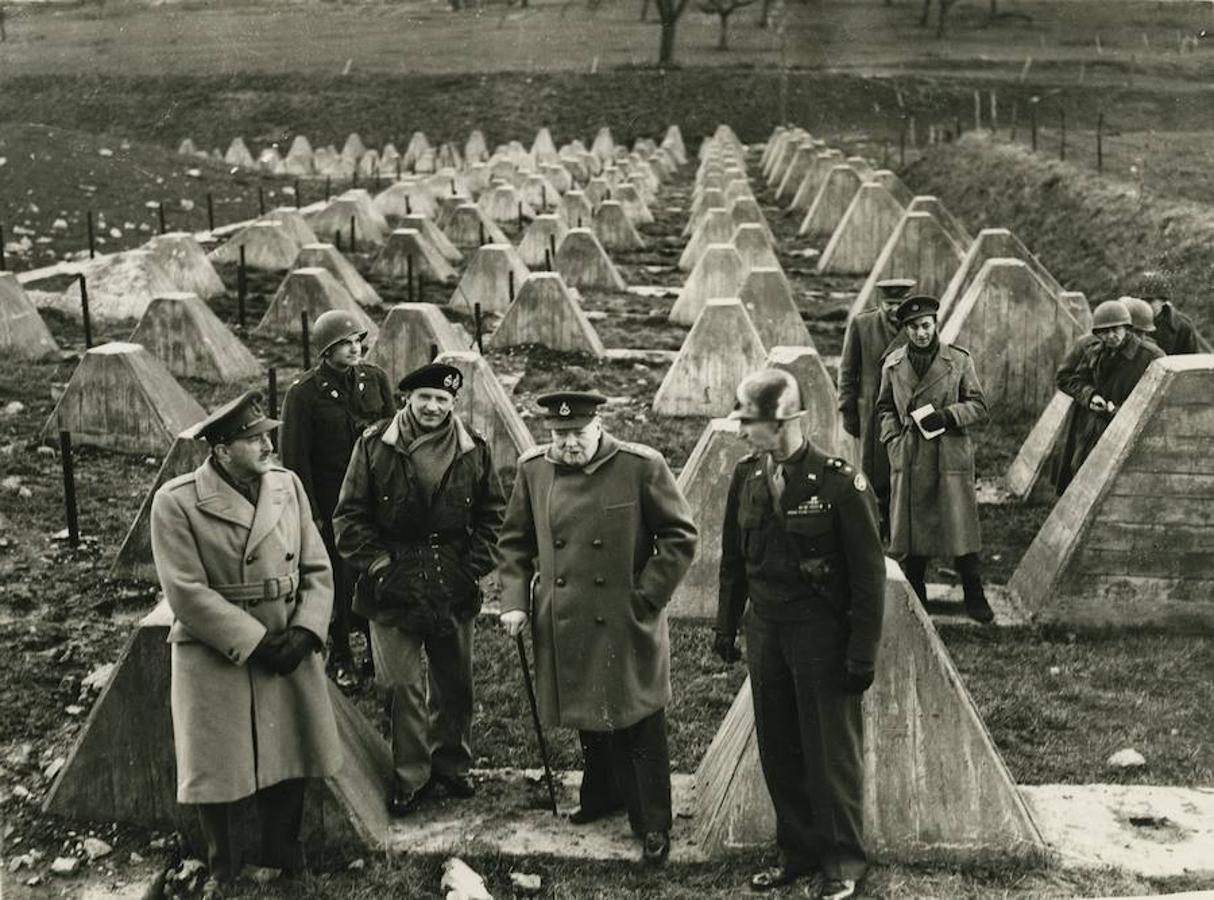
323,414
929,399
867,339
418,515
596,538
800,542
246,575
1175,332
1099,374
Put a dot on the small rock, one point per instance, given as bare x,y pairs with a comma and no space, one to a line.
33,882
96,848
14,408
357,864
44,450
74,710
11,483
24,861
19,756
98,678
158,843
135,858
65,865
187,204
525,883
21,792
1055,670
189,869
462,882
59,225
116,232
194,173
105,151
24,493
1126,758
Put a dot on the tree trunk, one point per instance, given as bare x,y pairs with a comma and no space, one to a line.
723,38
666,45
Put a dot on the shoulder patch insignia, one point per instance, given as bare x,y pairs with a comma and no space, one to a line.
860,481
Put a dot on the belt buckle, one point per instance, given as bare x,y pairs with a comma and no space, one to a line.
266,593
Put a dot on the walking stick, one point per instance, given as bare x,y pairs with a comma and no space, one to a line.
535,717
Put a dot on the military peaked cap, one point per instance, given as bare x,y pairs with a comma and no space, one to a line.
917,306
437,376
570,409
895,288
236,419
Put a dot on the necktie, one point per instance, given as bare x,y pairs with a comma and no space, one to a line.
777,480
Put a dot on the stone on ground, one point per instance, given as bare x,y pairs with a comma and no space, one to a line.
583,262
23,334
408,334
540,240
719,351
467,227
919,248
267,246
862,233
936,787
484,404
326,256
186,265
123,398
720,272
407,244
767,296
312,289
184,334
1017,332
991,243
547,314
492,279
1024,476
613,229
831,202
1128,543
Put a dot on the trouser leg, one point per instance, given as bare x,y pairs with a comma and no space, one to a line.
642,760
915,568
280,809
221,840
600,788
779,738
398,671
343,594
969,567
449,660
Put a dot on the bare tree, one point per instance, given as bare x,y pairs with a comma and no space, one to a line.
724,9
943,7
669,12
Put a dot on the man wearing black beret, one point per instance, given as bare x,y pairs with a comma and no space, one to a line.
418,516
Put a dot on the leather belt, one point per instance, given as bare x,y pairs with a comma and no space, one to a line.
254,592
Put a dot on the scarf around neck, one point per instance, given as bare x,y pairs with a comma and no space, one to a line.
921,359
431,452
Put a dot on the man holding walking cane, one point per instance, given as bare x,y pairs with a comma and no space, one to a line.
595,540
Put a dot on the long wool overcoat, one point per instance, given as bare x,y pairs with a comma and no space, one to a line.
606,546
868,336
236,726
933,506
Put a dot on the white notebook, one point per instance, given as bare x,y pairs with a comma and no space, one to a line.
918,415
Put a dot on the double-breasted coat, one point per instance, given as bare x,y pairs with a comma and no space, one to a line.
606,545
934,505
868,337
237,727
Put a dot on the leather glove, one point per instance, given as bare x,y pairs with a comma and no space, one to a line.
934,421
851,423
267,651
857,676
725,646
297,643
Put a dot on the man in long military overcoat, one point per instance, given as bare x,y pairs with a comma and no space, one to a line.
323,413
865,342
800,547
596,538
246,575
1174,332
934,503
418,515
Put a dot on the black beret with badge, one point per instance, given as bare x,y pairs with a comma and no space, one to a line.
916,307
570,409
435,376
243,417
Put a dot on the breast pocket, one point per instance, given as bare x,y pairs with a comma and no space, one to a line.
812,535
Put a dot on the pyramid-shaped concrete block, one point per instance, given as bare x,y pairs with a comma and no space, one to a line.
754,247
820,423
503,203
433,235
407,251
368,164
547,314
184,334
576,210
802,158
475,148
538,195
466,227
122,766
1017,332
767,296
613,228
326,256
894,185
353,148
267,245
737,189
238,155
336,217
715,228
936,788
408,334
950,223
185,263
406,198
418,145
862,233
312,289
1076,302
704,482
815,176
120,286
745,210
583,262
831,202
784,160
293,223
543,147
1023,478
123,398
920,248
673,142
635,207
704,203
540,240
991,243
134,558
720,272
1128,544
862,166
597,190
720,350
495,273
485,405
299,159
269,160
23,334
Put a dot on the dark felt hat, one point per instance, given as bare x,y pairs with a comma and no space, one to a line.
243,417
916,306
437,376
570,409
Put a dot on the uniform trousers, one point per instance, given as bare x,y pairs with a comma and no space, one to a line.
811,742
430,702
969,567
629,767
280,815
343,596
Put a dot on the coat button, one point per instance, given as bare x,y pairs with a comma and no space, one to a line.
600,580
558,543
560,582
597,542
250,559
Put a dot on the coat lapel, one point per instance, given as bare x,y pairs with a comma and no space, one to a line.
218,498
941,366
271,500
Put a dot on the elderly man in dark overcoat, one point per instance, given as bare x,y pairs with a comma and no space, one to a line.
597,536
246,575
934,502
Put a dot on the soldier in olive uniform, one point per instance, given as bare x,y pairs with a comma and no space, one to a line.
800,543
1174,332
418,514
323,413
596,538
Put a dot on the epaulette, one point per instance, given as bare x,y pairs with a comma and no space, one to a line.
639,450
958,348
532,453
894,357
847,472
309,375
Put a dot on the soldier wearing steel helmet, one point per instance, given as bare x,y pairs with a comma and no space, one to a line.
1174,332
1099,374
1142,319
800,546
323,414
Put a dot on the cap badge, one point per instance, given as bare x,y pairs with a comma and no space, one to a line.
563,410
451,381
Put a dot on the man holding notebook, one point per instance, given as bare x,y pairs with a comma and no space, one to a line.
929,400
